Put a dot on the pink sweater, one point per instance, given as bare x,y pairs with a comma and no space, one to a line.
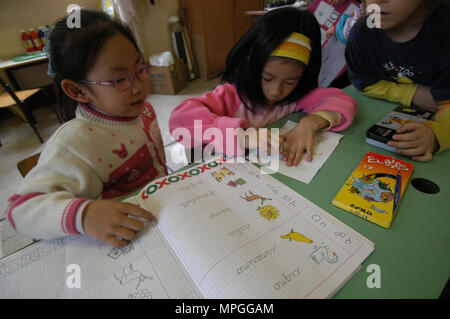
222,109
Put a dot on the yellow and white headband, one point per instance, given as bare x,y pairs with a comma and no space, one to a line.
297,46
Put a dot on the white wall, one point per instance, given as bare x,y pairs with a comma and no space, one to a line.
25,14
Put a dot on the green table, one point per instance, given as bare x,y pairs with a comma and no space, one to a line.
414,254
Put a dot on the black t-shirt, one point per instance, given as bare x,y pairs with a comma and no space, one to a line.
425,60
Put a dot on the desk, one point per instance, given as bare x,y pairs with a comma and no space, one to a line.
27,74
414,254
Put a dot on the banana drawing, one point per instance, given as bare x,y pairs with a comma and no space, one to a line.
297,237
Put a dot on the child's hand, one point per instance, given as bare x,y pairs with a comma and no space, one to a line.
301,138
264,139
424,100
416,140
107,220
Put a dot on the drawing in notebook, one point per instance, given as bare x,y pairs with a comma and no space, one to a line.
209,241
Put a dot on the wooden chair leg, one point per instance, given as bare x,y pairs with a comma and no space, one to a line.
53,106
31,120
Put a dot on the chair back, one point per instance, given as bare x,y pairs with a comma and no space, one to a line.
24,166
10,91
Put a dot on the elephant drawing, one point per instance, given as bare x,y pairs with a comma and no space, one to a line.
322,252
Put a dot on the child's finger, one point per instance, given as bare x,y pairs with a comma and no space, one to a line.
405,137
124,233
427,156
298,156
116,242
132,223
309,149
407,127
414,151
281,147
287,152
404,144
290,157
135,210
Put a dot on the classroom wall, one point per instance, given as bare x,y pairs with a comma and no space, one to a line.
155,25
26,14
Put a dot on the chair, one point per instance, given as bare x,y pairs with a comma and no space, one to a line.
16,101
24,166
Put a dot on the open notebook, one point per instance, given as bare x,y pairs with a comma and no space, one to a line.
224,230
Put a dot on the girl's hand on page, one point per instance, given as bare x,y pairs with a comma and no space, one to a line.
261,139
113,222
416,140
301,139
268,142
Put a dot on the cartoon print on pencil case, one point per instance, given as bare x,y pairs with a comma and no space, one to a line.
128,275
220,174
379,210
396,120
321,252
372,189
254,197
297,237
268,212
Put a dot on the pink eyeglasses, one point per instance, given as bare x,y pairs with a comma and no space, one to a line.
124,81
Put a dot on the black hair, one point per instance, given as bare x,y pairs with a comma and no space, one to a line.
245,63
73,51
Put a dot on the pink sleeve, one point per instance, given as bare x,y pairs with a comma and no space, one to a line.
211,113
330,99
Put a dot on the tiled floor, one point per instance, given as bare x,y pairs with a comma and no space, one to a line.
19,140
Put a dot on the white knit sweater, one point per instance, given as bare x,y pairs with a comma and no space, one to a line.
90,157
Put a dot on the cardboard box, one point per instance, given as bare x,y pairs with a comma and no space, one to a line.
168,79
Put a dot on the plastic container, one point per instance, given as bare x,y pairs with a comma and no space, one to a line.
36,40
27,41
42,33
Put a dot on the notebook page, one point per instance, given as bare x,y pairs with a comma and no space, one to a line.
241,234
144,269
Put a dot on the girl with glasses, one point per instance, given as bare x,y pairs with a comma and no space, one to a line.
110,146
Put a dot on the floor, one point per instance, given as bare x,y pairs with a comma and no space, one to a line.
19,141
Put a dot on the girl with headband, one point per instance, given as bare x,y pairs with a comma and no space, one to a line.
271,72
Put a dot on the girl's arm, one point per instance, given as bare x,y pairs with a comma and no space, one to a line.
198,121
391,91
60,188
325,108
332,104
48,199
